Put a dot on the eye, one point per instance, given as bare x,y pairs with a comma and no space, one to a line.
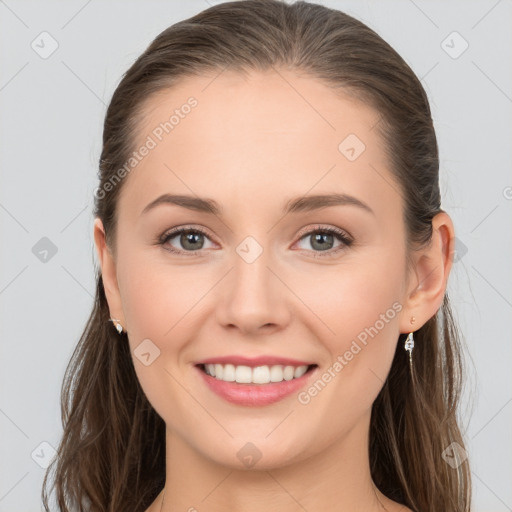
191,240
323,239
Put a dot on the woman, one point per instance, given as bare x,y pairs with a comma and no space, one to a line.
271,326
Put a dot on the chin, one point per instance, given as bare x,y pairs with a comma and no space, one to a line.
257,455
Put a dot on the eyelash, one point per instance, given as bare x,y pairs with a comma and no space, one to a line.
338,233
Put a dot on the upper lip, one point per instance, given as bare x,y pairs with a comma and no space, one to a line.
254,361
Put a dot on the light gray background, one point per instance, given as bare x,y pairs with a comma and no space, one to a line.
51,126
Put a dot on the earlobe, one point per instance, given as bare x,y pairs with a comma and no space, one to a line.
432,269
108,272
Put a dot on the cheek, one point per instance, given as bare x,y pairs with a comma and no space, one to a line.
351,298
359,308
345,302
156,297
158,303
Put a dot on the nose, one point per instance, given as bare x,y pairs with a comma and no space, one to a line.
254,297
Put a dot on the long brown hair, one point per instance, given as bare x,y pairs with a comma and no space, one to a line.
112,453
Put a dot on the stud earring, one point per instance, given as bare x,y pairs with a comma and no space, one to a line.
117,325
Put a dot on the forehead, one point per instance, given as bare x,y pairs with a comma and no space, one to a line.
273,134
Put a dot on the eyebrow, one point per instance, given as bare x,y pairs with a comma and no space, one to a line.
294,205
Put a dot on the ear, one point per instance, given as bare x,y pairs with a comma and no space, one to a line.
429,277
108,273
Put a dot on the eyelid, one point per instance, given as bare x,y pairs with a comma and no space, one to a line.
319,227
179,229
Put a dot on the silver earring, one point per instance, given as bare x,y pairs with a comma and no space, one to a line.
117,325
409,345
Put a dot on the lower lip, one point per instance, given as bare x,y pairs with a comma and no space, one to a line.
255,394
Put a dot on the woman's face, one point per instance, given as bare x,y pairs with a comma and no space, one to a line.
259,280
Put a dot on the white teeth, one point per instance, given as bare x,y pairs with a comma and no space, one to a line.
276,374
288,372
219,370
300,371
261,375
257,375
243,374
228,373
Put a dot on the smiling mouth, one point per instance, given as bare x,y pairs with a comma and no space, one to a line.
264,374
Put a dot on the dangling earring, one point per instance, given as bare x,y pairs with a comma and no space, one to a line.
409,343
117,325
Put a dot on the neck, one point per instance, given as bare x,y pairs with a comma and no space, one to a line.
337,478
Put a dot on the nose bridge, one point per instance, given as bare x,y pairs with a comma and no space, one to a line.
252,277
252,295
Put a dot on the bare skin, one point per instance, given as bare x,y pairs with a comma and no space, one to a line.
252,144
